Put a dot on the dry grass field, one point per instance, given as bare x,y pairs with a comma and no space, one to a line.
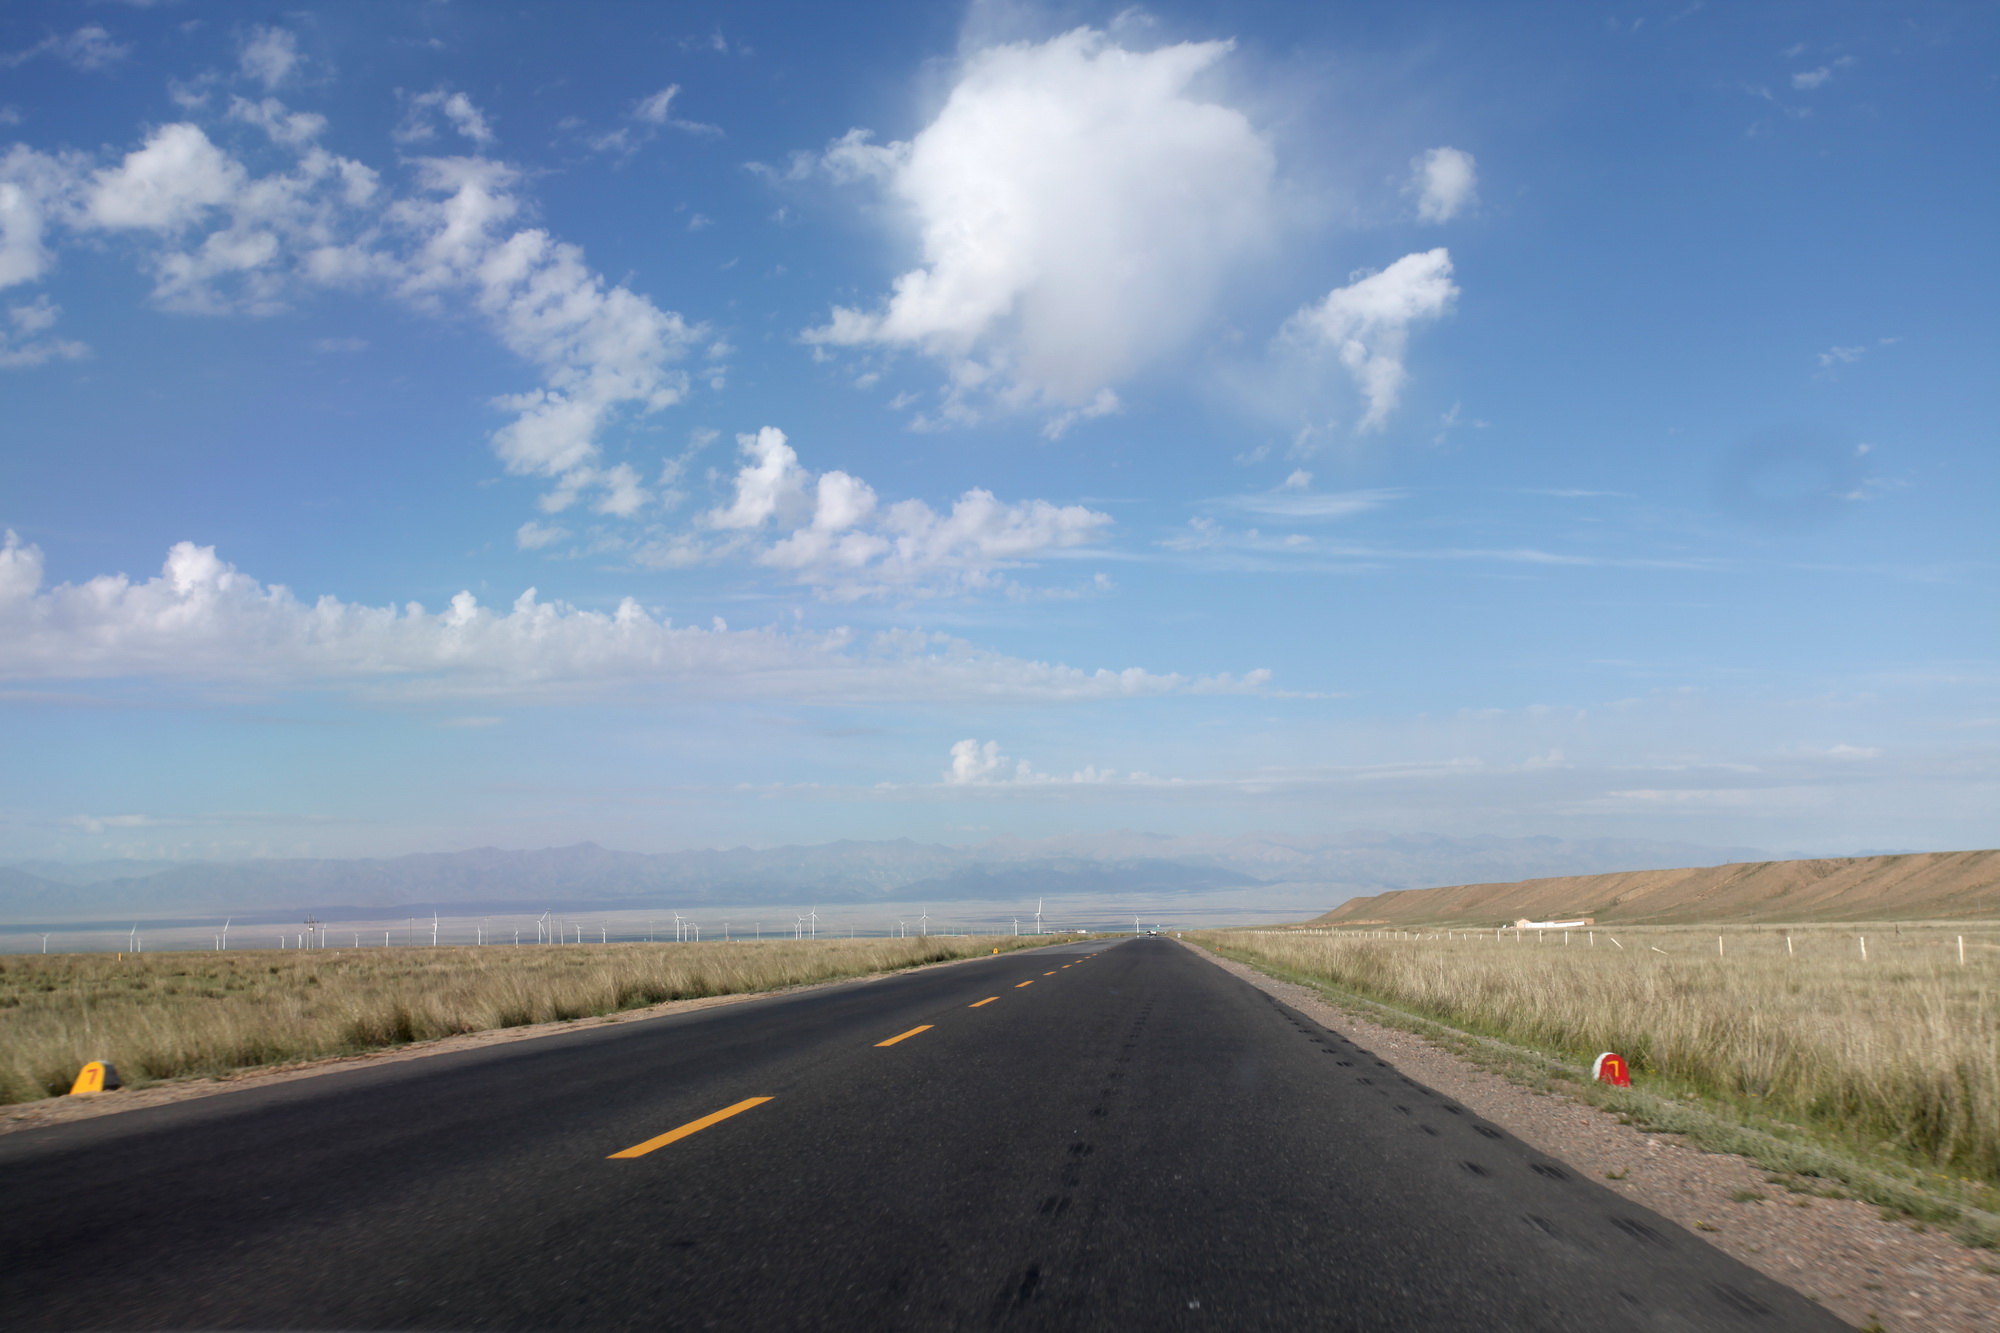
173,1015
1896,1054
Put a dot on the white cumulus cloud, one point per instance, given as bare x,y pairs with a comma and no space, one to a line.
1077,207
1446,183
34,189
974,764
225,239
603,348
219,237
1367,325
831,531
201,619
167,183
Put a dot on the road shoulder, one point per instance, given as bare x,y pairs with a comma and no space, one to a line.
1840,1252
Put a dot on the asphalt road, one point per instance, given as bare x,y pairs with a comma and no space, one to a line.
1125,1138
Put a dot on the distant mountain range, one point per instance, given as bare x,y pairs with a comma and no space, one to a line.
1097,865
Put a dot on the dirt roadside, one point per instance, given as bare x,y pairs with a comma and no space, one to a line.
1839,1252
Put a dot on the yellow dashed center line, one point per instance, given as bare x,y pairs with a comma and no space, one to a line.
691,1127
1029,982
988,1000
902,1036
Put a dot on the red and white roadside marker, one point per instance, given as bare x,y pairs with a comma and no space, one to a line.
1611,1068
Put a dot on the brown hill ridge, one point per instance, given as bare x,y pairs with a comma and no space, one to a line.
1919,886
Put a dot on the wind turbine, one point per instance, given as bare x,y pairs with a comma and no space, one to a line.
1038,916
924,924
434,928
225,931
45,944
813,918
541,926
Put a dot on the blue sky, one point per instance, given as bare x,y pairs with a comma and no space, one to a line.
1560,419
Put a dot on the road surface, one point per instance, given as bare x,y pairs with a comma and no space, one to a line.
1123,1136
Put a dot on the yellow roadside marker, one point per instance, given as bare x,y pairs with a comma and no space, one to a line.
97,1076
988,1000
1029,982
903,1035
691,1127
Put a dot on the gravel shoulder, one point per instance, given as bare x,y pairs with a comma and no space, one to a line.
1871,1272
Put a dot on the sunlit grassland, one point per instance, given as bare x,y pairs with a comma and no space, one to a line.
173,1015
1893,1056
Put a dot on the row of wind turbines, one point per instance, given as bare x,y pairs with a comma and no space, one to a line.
550,928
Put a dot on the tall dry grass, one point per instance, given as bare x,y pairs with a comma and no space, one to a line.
171,1015
1897,1053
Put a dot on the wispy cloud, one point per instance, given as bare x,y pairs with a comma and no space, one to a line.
1295,504
645,119
89,49
1808,80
